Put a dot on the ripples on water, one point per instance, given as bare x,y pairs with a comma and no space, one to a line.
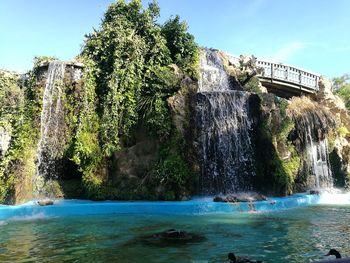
296,235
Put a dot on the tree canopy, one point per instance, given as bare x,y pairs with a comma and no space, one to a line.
342,88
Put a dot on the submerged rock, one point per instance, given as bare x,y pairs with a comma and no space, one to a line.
171,237
45,202
240,197
233,259
314,192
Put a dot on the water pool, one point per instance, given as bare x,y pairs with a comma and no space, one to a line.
296,235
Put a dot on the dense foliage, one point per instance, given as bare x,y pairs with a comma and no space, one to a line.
132,66
17,121
126,85
342,88
183,49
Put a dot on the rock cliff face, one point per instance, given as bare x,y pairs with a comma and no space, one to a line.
340,148
294,145
234,135
298,144
313,124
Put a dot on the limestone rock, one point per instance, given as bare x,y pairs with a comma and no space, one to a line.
338,110
179,104
133,161
177,71
326,97
245,65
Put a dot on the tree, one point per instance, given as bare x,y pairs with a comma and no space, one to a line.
127,82
183,50
127,51
342,88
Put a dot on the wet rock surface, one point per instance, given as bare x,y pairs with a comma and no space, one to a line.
45,202
236,198
314,192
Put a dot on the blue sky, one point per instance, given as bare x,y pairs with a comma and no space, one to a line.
312,34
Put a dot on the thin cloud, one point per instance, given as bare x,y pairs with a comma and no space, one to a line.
286,52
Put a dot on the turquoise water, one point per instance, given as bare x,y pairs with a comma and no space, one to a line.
296,235
195,206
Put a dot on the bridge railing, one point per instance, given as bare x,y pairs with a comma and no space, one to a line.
286,73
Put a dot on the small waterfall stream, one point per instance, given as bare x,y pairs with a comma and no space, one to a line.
318,155
51,135
213,75
225,150
312,127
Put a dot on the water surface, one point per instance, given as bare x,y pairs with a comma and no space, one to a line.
295,235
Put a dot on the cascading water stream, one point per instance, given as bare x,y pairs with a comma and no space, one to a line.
321,175
213,74
50,133
225,151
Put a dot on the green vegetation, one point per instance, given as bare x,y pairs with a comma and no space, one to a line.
132,65
342,88
126,85
342,131
11,114
183,50
277,160
17,119
290,165
171,173
247,77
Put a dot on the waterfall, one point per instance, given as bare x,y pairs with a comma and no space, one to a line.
213,74
223,125
318,156
51,133
311,129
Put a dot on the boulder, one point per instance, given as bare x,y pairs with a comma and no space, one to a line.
131,162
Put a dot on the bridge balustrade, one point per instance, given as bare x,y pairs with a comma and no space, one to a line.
289,74
284,73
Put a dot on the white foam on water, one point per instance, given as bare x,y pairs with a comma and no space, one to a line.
335,199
